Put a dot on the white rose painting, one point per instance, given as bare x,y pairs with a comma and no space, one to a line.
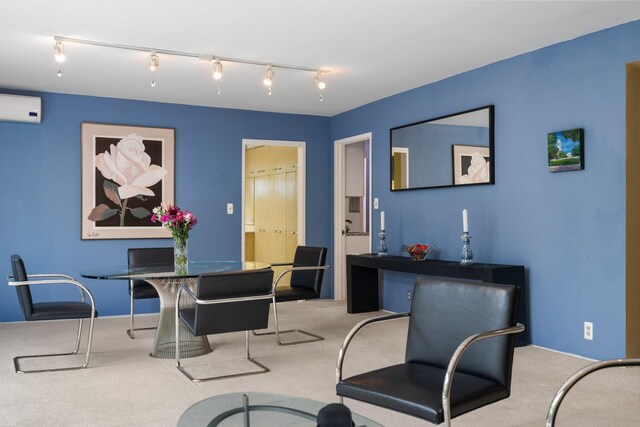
128,173
129,166
131,173
475,169
471,165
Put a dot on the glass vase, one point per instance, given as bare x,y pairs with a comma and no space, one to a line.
180,254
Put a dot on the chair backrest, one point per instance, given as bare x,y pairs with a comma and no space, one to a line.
24,292
444,313
140,257
309,256
233,316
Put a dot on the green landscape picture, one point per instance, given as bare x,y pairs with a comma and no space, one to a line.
566,150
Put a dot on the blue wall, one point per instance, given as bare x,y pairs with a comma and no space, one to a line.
40,187
567,228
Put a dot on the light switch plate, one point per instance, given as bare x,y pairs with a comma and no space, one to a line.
375,203
229,208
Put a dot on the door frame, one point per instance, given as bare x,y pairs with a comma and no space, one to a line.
301,184
632,225
339,250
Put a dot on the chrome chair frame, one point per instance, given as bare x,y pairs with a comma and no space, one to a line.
191,295
277,331
580,374
131,329
53,279
132,298
453,362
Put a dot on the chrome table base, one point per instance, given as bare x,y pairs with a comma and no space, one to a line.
164,346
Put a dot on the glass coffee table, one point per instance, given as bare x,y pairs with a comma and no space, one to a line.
258,409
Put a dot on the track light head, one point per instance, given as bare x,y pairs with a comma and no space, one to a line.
268,77
154,61
58,52
217,69
320,83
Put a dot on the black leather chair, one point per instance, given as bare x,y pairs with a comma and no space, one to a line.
57,310
334,415
307,271
225,302
140,289
446,318
575,378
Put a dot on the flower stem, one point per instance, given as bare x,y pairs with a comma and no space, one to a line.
123,212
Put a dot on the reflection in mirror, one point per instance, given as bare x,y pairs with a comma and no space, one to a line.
400,158
447,151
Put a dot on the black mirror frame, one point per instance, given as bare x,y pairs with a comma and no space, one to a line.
492,178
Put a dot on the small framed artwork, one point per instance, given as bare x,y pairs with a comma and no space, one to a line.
471,165
566,150
126,172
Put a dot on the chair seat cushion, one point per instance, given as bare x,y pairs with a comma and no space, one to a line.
61,310
294,294
240,316
144,290
416,389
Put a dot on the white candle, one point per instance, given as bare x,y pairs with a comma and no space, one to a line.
381,220
465,221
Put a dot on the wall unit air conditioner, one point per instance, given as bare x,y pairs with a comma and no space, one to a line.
16,108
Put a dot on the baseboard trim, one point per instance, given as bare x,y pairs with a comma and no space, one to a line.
565,353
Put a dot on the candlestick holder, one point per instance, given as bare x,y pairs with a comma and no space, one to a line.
382,244
466,257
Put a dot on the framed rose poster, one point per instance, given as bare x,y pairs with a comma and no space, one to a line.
126,172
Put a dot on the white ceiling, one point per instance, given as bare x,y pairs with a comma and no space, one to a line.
374,48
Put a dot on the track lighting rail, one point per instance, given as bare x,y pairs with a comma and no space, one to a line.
187,54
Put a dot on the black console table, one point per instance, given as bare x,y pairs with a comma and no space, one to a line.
364,279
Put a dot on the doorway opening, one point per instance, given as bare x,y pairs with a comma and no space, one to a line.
352,205
273,195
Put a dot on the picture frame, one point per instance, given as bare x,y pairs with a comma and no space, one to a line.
565,150
471,164
126,172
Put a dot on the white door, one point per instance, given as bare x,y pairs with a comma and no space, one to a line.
345,208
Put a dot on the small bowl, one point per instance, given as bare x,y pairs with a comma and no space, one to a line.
419,256
416,253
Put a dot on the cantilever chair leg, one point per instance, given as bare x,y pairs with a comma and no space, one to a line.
131,328
579,375
262,369
278,332
16,360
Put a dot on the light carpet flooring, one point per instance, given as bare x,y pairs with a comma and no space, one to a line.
123,386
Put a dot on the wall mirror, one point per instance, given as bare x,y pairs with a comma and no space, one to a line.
446,151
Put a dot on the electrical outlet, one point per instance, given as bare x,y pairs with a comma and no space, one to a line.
409,296
375,203
588,331
229,208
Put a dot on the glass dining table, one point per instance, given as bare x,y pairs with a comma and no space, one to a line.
166,282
